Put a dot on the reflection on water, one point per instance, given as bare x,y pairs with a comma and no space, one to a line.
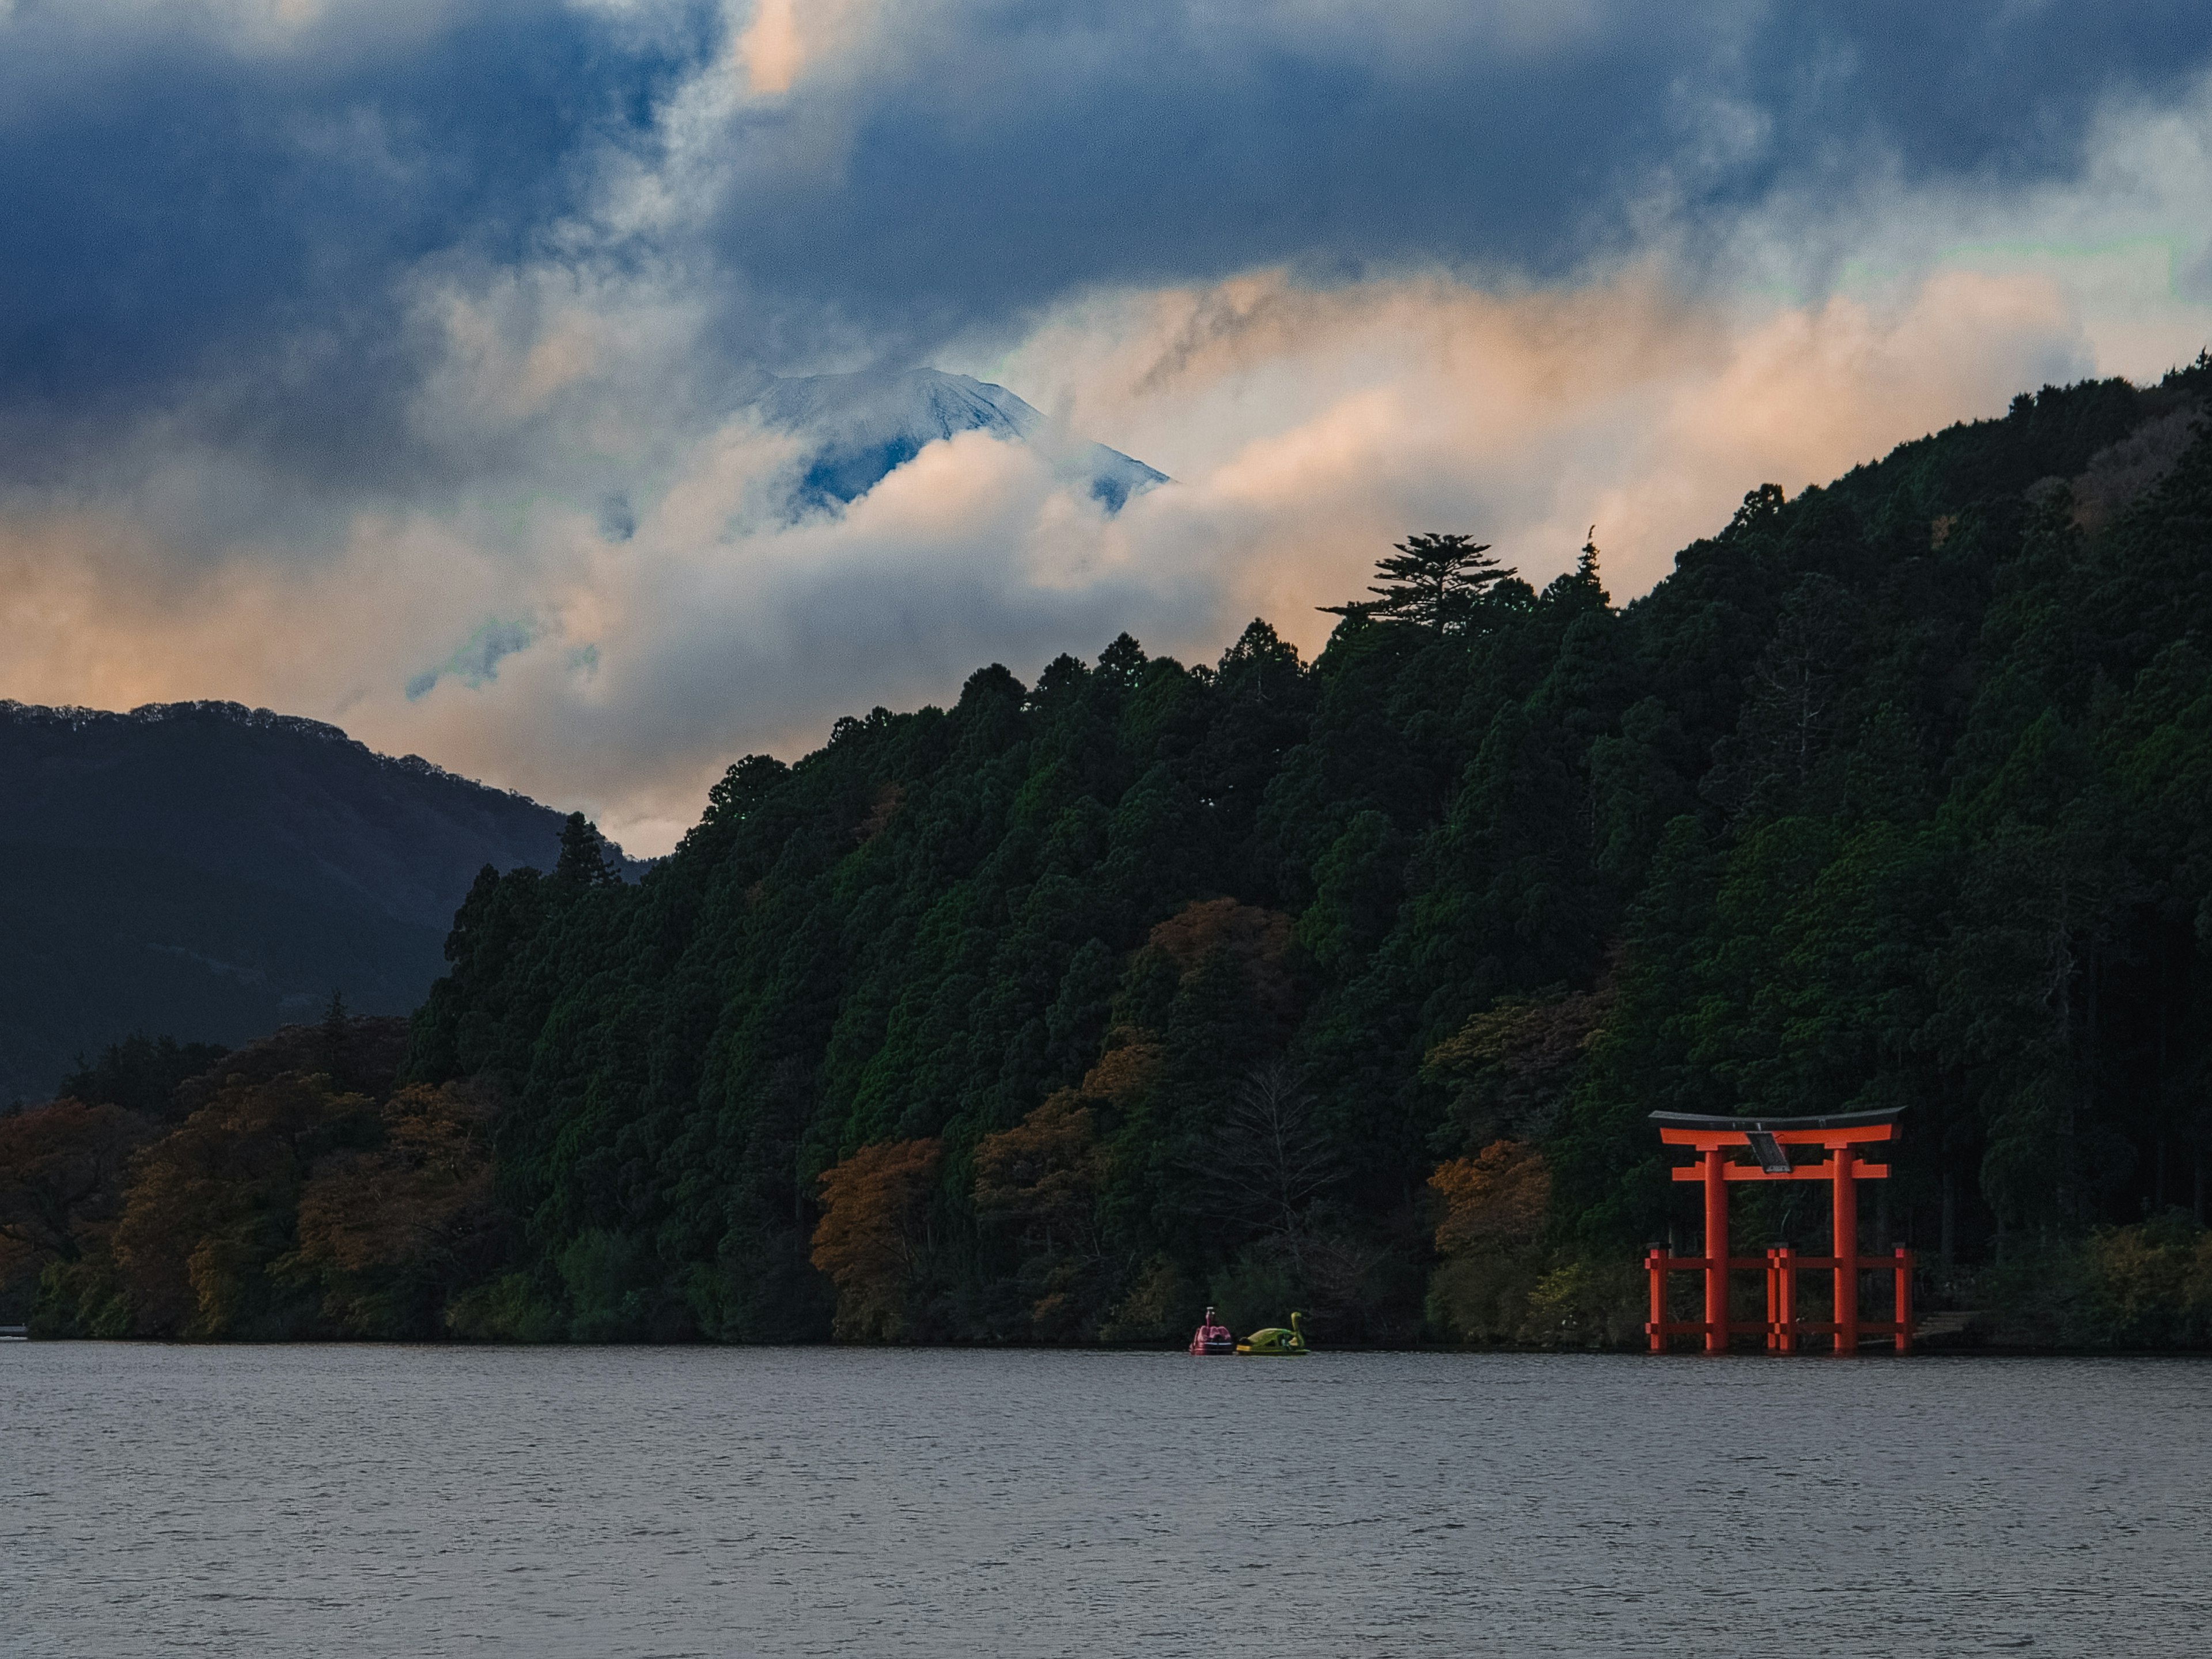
611,1501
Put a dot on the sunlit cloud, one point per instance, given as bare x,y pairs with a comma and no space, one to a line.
782,40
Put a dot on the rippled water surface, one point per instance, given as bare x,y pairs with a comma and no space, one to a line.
620,1502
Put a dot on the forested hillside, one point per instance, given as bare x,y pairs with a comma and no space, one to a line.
1348,985
212,870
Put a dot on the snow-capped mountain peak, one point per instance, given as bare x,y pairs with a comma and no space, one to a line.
862,427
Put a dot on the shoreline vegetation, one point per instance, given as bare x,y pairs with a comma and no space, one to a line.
1346,986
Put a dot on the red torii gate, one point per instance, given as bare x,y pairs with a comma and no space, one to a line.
1769,1139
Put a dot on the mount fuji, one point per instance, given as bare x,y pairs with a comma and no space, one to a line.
863,427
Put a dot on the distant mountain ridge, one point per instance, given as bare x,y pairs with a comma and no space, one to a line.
209,871
865,425
77,718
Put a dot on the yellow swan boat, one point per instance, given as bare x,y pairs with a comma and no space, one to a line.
1278,1341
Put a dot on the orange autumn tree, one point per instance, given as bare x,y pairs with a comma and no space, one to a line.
285,1208
1494,1209
1044,1171
300,1195
1043,1177
1258,941
1496,1199
876,1235
62,1170
380,1228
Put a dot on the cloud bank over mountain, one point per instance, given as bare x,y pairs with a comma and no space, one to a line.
858,429
402,363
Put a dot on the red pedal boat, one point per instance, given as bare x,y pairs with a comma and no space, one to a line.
1212,1337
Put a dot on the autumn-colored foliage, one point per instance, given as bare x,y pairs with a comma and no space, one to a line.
374,1224
875,1233
287,1202
1256,939
212,1207
888,798
1044,1175
62,1169
1510,1066
1495,1286
397,1204
1496,1199
1821,823
1046,1170
1123,1072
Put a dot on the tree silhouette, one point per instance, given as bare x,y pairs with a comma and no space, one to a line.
584,861
1433,581
1270,1156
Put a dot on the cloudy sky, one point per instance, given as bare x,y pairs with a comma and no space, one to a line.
384,360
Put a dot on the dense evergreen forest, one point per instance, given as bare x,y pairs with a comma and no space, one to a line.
1343,985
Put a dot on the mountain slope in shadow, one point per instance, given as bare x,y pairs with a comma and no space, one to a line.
211,872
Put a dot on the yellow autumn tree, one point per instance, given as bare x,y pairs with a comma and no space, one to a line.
211,1208
1125,1072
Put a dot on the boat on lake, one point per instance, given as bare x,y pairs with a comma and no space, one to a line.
1212,1336
1277,1340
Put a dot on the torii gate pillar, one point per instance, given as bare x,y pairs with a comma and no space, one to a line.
1846,1242
1717,1250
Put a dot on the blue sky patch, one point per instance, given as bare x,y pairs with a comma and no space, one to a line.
477,663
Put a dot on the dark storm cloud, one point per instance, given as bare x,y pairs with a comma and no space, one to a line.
1999,90
190,218
187,207
1051,146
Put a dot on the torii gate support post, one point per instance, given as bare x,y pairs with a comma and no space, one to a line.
1846,1230
1655,1264
1717,1251
1782,1297
1904,1299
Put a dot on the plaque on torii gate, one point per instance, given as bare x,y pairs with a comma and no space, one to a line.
1770,1141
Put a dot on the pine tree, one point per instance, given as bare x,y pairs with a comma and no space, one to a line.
584,861
1434,581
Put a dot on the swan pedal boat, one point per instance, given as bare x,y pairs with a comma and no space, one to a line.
1278,1342
1212,1337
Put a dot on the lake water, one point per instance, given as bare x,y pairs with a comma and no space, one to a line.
634,1501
